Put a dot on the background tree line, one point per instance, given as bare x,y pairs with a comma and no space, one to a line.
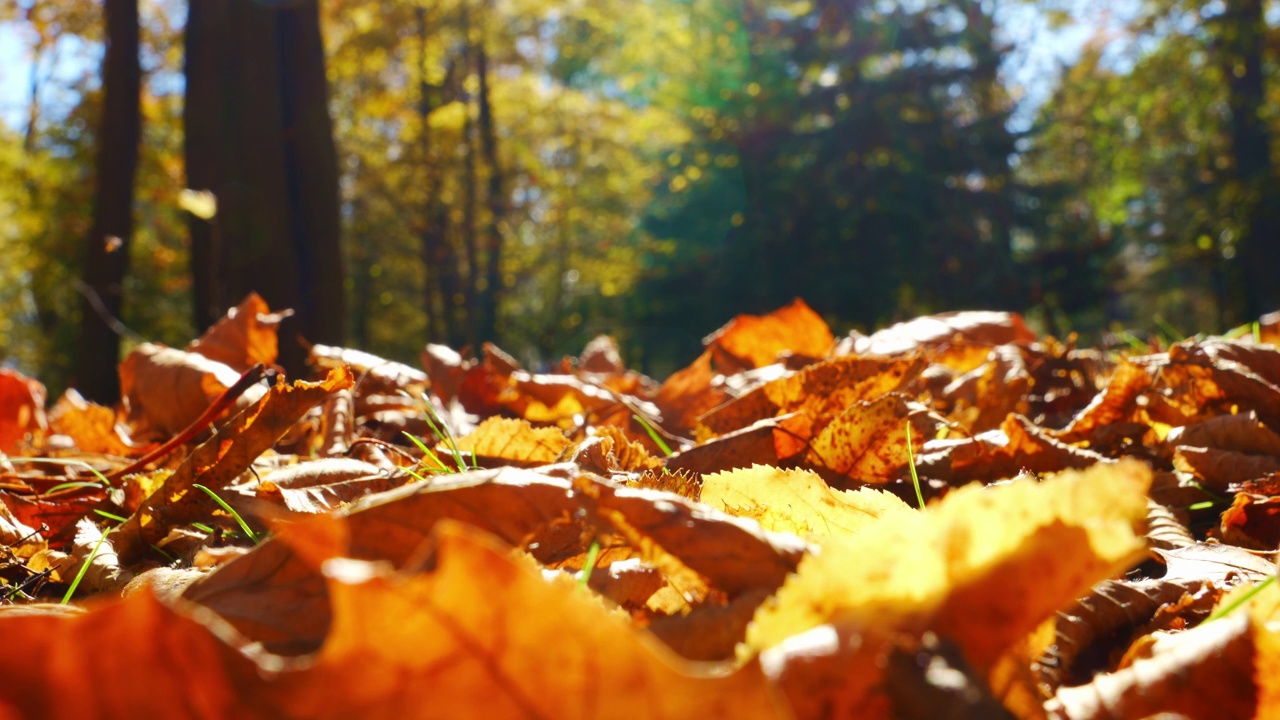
538,171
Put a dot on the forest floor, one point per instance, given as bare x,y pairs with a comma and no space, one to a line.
951,517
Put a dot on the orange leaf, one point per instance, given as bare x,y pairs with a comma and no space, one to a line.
244,337
21,408
751,341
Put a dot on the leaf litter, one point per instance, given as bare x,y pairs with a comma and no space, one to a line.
742,539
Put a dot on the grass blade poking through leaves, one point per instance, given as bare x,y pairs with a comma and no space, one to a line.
589,564
653,433
84,567
428,453
1244,598
911,463
223,504
441,429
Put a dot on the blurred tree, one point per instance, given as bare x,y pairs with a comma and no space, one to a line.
483,176
1164,187
259,136
1239,40
854,154
109,240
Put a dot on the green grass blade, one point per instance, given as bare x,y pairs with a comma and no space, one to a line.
427,452
64,461
653,433
911,463
111,516
223,503
85,567
1246,597
589,565
441,429
69,485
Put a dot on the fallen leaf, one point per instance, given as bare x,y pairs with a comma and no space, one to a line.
960,340
165,390
751,341
868,441
218,461
244,337
797,501
90,425
511,441
21,409
983,567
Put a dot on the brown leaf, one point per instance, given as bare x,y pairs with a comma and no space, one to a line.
1116,402
260,592
460,637
960,340
753,445
374,375
1220,469
1206,672
998,454
21,409
244,337
687,394
1252,521
1092,632
868,441
165,390
162,664
90,425
983,397
1242,433
218,461
820,391
1216,563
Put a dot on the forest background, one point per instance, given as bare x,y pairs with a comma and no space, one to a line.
537,172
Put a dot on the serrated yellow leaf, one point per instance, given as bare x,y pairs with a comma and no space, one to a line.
796,501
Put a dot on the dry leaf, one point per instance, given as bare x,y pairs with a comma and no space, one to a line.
512,442
218,461
244,337
984,567
165,390
797,501
21,408
960,340
868,441
750,341
90,425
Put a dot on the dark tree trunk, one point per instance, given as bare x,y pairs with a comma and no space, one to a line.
469,201
108,242
1242,41
258,134
497,200
430,237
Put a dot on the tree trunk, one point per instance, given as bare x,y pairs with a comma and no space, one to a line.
108,242
469,201
258,134
497,201
1241,38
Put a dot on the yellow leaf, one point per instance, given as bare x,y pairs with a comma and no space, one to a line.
983,567
796,501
